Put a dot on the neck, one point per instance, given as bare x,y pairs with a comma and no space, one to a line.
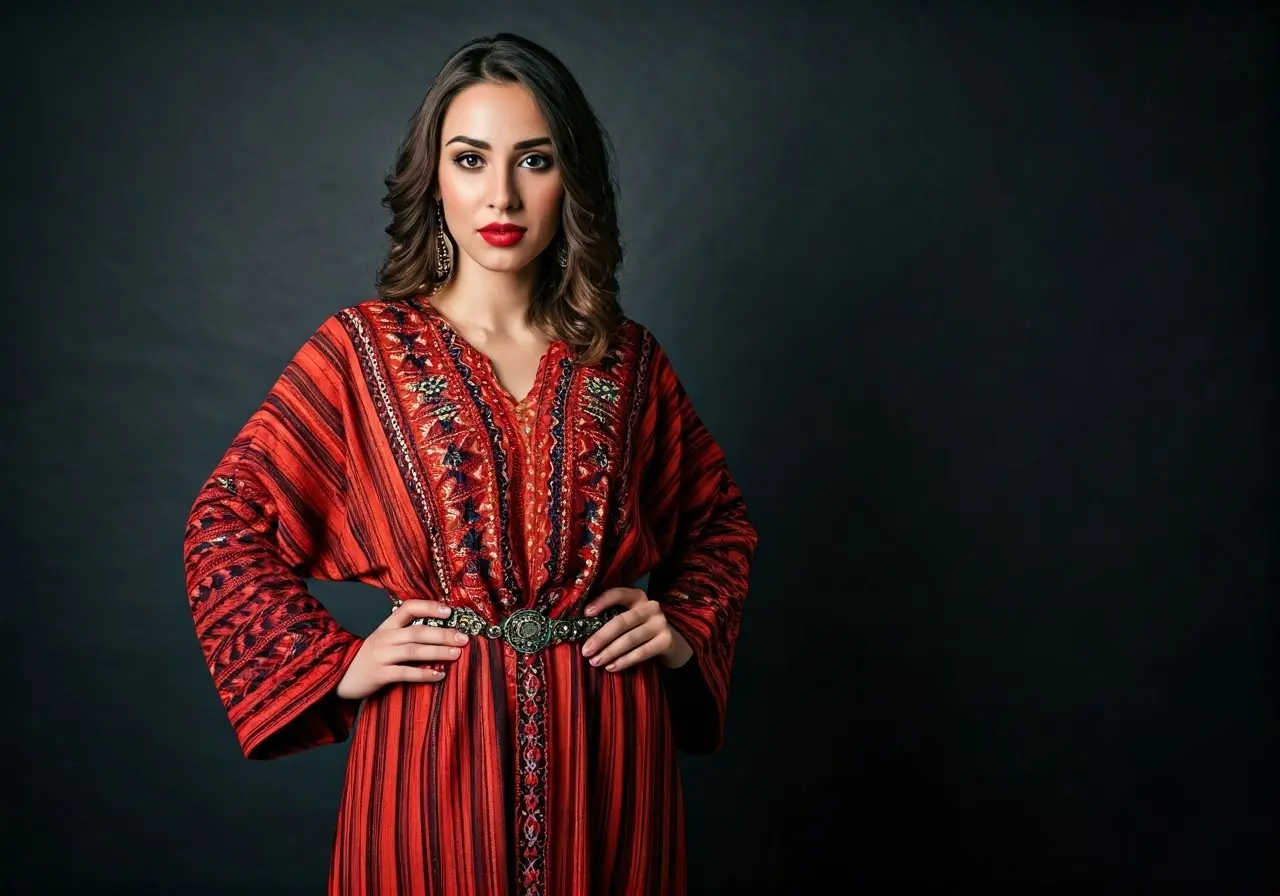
496,301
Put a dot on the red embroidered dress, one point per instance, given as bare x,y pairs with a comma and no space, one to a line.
388,453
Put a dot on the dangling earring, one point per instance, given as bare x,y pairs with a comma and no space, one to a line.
444,267
562,255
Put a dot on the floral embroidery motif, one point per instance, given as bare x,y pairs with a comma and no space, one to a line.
531,777
430,395
602,400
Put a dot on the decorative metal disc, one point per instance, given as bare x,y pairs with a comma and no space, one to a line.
527,630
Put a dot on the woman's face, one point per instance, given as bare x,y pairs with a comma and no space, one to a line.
497,168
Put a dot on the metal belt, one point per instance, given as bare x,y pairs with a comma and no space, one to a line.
527,631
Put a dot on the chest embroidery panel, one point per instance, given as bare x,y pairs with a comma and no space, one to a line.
521,502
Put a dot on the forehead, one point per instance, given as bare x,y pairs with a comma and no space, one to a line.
501,114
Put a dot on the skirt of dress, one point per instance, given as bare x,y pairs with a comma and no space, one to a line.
518,774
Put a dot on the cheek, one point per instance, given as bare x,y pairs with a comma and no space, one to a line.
455,186
547,200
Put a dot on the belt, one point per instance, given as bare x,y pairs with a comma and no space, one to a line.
527,631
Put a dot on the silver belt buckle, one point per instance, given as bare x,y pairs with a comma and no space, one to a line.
527,631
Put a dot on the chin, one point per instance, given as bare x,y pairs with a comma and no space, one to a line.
505,260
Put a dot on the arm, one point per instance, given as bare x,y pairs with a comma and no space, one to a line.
271,513
696,516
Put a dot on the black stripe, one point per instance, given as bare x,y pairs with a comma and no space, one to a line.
575,720
304,436
504,725
374,775
433,820
313,395
404,870
625,834
479,794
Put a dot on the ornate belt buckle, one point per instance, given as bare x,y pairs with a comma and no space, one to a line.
527,631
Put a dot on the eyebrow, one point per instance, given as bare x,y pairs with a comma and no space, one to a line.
523,144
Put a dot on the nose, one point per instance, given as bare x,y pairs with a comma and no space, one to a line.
503,195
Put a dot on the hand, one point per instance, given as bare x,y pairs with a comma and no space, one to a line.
380,659
637,634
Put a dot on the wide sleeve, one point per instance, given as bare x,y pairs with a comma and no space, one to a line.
695,514
270,515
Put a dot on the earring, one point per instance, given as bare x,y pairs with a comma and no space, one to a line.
443,265
562,255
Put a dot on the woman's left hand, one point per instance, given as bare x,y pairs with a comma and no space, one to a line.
638,633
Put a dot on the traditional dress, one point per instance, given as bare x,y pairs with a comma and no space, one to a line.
388,453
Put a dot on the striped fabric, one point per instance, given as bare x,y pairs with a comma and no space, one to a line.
388,453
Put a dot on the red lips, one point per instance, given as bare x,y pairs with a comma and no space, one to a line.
503,235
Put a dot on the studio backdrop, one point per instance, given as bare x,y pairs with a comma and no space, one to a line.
977,298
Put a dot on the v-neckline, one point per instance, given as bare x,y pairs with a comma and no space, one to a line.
487,362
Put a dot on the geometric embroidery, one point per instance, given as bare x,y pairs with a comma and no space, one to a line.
430,393
531,766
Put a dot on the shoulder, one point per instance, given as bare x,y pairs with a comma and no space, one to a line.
638,337
642,352
647,344
373,321
340,338
636,347
375,312
378,307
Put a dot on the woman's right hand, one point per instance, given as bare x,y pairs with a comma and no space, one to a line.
380,660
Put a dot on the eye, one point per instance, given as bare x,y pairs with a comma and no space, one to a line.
468,160
541,162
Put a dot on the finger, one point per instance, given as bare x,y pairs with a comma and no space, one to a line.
426,634
641,634
624,597
611,630
420,653
415,609
414,674
645,651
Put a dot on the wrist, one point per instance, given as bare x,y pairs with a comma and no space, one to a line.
678,653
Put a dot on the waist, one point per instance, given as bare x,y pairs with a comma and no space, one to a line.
527,631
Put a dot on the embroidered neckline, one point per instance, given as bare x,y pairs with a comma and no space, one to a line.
484,362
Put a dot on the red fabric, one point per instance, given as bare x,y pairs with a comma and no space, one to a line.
388,453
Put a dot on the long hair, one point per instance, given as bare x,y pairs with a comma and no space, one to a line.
577,304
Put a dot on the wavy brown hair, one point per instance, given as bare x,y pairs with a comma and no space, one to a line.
577,304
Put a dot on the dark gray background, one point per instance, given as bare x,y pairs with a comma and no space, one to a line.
975,296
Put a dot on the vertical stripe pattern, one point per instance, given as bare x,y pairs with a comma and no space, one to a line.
384,453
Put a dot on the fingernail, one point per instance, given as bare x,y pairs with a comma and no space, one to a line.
460,638
453,651
596,661
612,667
591,611
443,611
587,651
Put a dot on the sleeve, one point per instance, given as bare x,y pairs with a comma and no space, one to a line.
271,514
695,513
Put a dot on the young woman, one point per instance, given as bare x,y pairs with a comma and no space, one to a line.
496,446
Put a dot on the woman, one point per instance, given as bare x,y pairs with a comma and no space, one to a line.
498,448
